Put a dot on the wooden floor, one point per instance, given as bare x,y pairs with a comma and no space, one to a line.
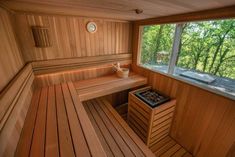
57,125
114,133
168,147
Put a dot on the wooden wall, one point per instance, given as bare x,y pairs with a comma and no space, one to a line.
10,57
70,38
15,86
204,122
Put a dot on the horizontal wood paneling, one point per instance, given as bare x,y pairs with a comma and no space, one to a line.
69,37
204,122
10,58
14,100
82,73
50,66
151,124
102,86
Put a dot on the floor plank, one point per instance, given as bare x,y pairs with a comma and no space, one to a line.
108,136
118,138
131,144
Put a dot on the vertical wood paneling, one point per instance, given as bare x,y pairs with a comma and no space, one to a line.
70,38
10,58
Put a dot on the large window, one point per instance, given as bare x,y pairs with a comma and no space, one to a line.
157,43
202,52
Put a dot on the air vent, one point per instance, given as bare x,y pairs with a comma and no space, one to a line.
41,36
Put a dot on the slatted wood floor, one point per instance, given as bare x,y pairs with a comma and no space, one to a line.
168,147
114,133
57,125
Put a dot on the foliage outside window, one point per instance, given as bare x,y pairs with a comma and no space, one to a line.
206,47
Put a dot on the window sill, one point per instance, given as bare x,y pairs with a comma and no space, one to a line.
213,89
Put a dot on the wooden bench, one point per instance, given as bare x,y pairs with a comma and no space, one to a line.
14,102
57,125
97,87
117,138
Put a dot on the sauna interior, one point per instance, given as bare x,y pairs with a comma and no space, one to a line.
143,78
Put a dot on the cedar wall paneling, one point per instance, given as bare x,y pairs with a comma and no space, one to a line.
204,122
70,38
10,58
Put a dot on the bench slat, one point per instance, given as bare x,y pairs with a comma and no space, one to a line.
65,141
93,88
79,141
37,147
89,132
52,143
24,144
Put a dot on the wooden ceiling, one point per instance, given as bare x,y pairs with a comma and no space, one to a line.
116,9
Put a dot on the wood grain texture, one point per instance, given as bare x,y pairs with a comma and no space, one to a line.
10,57
69,37
98,87
168,147
151,124
76,74
204,122
72,134
41,36
121,9
58,65
218,13
14,100
113,131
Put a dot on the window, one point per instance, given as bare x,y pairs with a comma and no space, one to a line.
200,52
156,44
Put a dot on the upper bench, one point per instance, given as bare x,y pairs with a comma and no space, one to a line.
97,87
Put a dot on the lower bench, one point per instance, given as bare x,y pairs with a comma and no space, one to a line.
57,125
117,138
